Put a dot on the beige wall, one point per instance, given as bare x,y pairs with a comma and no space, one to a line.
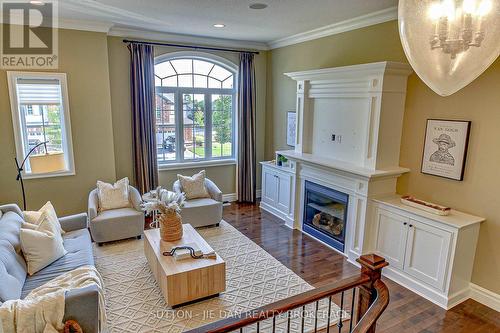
479,192
223,176
83,56
479,102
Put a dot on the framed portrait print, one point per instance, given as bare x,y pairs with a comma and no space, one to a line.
290,128
445,148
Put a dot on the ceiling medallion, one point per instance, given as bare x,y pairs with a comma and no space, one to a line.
449,43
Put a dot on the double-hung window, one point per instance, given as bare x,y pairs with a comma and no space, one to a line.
40,114
195,110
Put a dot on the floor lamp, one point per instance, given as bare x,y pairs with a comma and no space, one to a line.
20,169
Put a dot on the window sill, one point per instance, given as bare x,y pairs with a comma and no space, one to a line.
192,165
48,175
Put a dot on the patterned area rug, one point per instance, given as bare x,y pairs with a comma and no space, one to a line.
254,278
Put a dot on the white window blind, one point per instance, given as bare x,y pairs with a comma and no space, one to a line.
38,92
40,114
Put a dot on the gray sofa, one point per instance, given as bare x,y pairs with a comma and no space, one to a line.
116,224
203,211
82,305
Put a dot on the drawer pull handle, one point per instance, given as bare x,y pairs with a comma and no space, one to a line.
405,223
411,225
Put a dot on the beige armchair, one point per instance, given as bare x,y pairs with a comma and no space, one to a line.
204,211
115,224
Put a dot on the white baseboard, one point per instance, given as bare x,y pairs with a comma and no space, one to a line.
232,197
458,297
417,287
485,297
270,209
475,292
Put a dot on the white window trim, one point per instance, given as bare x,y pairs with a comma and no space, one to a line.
12,77
194,165
223,62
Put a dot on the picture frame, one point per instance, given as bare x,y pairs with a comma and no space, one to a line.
445,148
291,121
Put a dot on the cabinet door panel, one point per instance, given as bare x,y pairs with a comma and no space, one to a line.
391,237
427,251
270,190
284,195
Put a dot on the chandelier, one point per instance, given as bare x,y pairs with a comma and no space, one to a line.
458,25
449,43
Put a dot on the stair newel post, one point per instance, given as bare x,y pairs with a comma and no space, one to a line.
371,265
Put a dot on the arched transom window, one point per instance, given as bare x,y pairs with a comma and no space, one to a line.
195,99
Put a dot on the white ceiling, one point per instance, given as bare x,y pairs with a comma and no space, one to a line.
282,18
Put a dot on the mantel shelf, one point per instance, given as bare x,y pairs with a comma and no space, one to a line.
341,165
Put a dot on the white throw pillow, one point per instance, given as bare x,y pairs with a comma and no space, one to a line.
35,217
32,216
41,244
194,187
113,196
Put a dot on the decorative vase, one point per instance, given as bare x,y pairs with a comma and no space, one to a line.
170,226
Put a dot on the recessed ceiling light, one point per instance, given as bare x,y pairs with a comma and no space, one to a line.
258,5
36,2
219,25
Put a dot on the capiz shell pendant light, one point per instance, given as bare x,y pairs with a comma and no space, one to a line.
449,43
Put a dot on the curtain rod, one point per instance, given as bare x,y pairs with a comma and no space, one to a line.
189,46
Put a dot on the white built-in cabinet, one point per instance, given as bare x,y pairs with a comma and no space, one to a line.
430,254
278,191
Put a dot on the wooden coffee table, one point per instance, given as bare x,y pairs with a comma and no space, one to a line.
188,280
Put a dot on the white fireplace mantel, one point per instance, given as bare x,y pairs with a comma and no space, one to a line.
362,105
341,166
348,137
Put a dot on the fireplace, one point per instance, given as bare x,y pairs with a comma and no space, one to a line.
325,214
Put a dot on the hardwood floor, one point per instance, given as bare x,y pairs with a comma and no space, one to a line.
319,265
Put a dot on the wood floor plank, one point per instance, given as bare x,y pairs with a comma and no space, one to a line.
319,265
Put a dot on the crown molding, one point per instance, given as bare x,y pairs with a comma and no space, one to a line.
84,25
62,23
381,16
178,38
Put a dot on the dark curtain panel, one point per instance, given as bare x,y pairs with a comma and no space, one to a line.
246,130
143,116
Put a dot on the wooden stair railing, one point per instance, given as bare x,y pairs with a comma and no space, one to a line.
372,299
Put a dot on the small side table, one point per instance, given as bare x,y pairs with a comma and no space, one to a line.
148,197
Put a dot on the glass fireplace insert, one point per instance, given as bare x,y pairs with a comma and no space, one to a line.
325,214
